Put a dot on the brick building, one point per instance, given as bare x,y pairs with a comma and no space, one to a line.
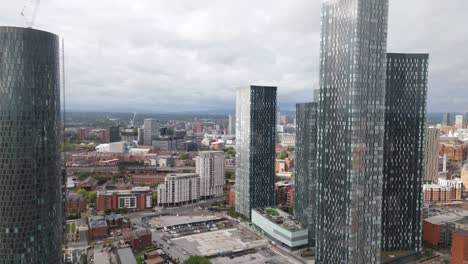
283,190
454,151
438,193
75,203
455,185
437,230
232,197
98,227
138,239
147,180
138,198
460,247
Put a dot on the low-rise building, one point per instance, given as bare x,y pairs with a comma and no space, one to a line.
138,239
137,198
455,185
89,184
147,180
280,227
436,193
125,256
464,177
98,227
179,189
437,230
75,203
460,247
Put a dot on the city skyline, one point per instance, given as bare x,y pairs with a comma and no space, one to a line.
194,60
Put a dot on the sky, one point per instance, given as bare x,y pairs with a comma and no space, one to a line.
191,55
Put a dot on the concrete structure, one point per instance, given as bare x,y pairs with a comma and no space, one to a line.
405,125
460,121
138,198
431,155
281,228
464,177
351,131
210,168
287,139
141,136
125,256
31,181
129,134
151,131
255,148
446,119
168,144
232,125
305,167
179,189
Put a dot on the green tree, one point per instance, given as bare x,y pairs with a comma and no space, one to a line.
283,155
230,175
91,196
197,260
82,177
183,156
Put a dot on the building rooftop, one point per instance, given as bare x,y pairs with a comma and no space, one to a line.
97,221
113,217
281,218
447,218
91,181
126,256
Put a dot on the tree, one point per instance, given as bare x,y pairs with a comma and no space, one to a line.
91,196
283,155
155,196
197,260
230,175
183,156
82,177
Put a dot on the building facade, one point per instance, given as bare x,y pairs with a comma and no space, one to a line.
32,218
210,168
232,125
464,177
255,148
405,120
179,189
431,155
460,121
138,198
351,131
305,166
446,119
151,130
114,134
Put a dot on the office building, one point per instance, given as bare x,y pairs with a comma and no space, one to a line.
431,154
141,136
446,119
129,135
232,125
460,121
255,148
351,131
305,166
464,176
405,119
179,189
151,131
210,168
168,143
32,219
114,134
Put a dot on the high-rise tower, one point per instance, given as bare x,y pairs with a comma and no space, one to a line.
405,120
351,131
305,166
151,131
31,218
255,148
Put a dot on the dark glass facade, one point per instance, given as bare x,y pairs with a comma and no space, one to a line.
405,118
305,166
255,148
351,131
446,119
31,208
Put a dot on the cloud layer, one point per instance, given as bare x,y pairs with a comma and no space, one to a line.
190,55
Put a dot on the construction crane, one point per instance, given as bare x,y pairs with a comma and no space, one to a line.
132,121
30,23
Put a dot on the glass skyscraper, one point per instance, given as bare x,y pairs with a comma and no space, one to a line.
31,208
405,119
255,148
305,166
351,131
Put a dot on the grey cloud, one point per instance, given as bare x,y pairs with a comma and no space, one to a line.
158,55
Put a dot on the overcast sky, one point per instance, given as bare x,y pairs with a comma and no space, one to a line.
190,55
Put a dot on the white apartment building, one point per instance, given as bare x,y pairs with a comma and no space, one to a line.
210,168
179,189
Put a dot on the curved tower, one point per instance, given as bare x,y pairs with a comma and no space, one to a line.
31,209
